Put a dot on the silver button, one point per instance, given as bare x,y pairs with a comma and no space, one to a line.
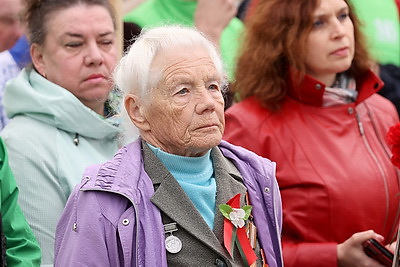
350,110
318,86
266,190
125,222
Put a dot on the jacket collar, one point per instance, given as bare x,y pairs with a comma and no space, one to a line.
310,91
34,96
123,172
170,198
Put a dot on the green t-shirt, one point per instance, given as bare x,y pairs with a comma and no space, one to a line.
153,13
381,25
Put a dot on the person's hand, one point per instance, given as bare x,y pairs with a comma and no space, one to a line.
391,247
351,253
212,16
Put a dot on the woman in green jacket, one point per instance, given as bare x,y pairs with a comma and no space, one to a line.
20,244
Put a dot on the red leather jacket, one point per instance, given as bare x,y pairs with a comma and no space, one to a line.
333,166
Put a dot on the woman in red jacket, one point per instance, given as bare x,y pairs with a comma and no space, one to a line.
309,103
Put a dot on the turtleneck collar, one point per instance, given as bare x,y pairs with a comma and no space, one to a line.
199,169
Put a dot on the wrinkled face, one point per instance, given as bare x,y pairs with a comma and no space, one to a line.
10,26
79,53
186,111
331,41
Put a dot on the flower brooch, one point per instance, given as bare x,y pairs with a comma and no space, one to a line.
237,216
234,232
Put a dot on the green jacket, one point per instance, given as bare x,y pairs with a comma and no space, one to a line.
50,140
22,248
381,25
153,13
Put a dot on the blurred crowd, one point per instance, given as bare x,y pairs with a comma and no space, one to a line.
294,99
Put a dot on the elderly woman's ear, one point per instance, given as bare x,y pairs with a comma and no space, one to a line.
135,112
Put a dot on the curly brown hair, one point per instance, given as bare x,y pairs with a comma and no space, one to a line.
276,38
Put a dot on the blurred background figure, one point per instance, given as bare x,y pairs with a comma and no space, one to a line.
11,27
217,19
129,5
18,245
14,48
380,22
309,103
61,108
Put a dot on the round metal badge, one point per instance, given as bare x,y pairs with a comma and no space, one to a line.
173,244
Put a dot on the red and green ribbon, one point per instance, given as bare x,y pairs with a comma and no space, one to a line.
237,236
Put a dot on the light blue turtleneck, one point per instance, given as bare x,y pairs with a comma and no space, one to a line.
196,176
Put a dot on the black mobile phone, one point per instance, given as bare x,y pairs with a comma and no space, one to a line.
377,251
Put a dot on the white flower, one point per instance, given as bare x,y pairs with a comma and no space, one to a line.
236,217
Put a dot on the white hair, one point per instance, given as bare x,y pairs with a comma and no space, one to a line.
133,73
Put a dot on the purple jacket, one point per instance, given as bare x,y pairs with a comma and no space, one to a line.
123,227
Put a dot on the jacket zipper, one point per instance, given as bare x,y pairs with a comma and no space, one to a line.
393,232
374,157
360,125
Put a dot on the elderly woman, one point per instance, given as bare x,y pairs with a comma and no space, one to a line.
61,120
177,195
310,104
